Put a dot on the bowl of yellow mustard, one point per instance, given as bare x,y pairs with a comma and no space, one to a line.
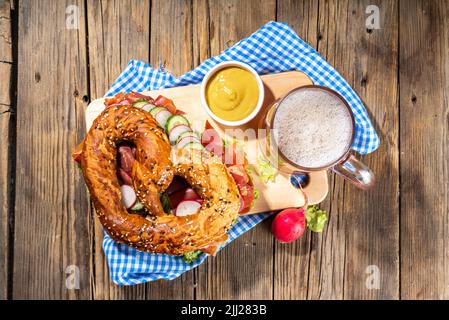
232,93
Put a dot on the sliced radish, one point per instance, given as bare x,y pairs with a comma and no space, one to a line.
190,194
177,131
187,208
181,143
176,198
128,196
162,117
183,195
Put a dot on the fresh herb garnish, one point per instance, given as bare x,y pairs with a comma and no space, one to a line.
256,196
266,171
232,141
315,218
249,170
165,201
189,257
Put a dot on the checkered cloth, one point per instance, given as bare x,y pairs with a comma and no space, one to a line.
273,48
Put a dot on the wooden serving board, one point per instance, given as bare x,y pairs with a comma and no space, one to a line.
276,195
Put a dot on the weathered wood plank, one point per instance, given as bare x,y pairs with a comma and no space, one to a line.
201,29
4,192
5,71
424,136
51,220
244,269
172,35
372,218
5,105
118,32
5,52
358,234
4,211
5,31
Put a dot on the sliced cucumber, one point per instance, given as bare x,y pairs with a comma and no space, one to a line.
194,146
188,134
174,121
148,107
176,131
162,116
156,110
137,206
187,139
140,104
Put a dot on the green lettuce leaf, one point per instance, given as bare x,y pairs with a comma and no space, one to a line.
231,141
316,218
249,170
266,171
256,196
189,257
165,201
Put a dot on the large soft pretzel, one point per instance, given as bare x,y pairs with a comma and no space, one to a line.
152,172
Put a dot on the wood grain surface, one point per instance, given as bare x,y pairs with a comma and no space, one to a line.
401,71
334,265
424,141
6,61
117,32
51,210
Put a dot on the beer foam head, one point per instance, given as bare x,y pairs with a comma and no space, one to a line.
313,128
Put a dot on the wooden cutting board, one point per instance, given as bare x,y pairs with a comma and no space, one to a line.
275,195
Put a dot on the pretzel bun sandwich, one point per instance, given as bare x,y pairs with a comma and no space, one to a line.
153,184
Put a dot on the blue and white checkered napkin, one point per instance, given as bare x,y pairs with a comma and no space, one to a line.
273,48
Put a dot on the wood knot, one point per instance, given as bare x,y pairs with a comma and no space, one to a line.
364,81
37,77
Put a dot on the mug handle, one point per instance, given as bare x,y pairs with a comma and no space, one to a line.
355,172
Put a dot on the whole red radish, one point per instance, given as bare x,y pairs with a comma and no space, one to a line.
289,225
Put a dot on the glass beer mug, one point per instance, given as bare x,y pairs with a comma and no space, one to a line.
325,142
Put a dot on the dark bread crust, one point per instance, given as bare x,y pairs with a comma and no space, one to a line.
152,172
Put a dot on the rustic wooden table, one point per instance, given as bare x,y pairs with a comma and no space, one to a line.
399,231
